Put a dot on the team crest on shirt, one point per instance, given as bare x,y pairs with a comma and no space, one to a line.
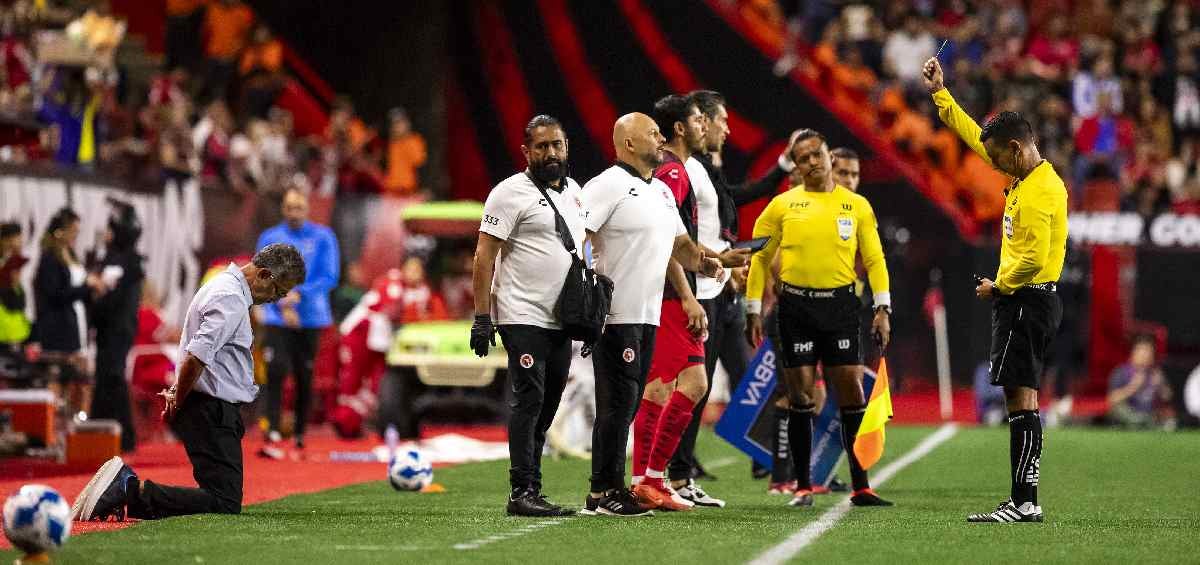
845,226
627,355
526,361
1008,226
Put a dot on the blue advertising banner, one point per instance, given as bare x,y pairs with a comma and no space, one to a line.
747,425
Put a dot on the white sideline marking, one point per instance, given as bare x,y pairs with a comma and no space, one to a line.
793,544
525,529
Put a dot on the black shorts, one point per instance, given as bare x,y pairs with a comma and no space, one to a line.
819,326
1023,327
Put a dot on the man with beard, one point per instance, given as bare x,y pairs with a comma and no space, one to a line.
826,228
635,228
717,202
519,225
676,380
114,315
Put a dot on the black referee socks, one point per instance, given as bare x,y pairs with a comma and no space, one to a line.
1024,454
781,468
852,417
800,432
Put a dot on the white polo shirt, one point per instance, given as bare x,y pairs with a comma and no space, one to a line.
708,220
533,263
635,224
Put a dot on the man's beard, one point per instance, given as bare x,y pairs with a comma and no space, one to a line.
548,172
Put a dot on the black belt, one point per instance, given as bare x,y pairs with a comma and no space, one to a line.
839,292
1046,286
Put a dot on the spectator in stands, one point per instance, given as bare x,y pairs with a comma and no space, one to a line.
71,104
184,21
421,302
405,154
211,138
1138,395
14,326
169,88
1053,54
226,26
294,323
261,72
907,48
1180,90
1103,138
61,287
1089,85
16,61
114,315
173,143
457,288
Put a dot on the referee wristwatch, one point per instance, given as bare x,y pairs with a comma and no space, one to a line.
885,307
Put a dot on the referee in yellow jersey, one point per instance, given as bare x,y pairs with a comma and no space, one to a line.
1026,310
818,229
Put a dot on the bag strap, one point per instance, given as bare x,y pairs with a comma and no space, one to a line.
560,225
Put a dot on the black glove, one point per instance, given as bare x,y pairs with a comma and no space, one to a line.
481,334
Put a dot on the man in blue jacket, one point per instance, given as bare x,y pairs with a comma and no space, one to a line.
294,323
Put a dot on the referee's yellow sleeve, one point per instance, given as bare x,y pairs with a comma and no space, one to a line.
1033,240
871,250
767,225
956,119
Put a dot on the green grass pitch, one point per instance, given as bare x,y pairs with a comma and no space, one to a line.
1109,497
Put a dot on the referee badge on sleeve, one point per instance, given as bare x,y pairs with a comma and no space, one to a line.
845,226
526,361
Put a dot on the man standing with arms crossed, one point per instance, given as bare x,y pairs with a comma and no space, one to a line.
295,322
635,229
818,231
1026,310
676,381
519,226
203,406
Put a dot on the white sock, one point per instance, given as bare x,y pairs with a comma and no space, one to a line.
637,479
651,473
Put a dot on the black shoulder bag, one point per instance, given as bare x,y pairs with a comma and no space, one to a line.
586,295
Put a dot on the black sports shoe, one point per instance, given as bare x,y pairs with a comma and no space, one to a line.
622,502
867,497
527,502
836,485
590,505
106,494
759,473
561,510
1008,512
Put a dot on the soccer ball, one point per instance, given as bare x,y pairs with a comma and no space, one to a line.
409,470
37,519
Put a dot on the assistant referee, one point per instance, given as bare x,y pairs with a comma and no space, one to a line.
818,230
1026,311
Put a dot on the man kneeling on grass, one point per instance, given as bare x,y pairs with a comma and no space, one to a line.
215,378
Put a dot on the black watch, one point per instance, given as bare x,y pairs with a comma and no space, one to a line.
884,307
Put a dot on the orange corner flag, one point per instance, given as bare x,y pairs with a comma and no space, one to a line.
868,445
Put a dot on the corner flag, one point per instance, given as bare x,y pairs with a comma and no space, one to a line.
868,445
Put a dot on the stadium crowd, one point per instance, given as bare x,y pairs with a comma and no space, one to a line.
1114,87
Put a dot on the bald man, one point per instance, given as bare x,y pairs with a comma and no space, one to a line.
295,321
635,230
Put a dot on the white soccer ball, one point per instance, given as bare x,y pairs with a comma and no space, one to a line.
409,470
37,519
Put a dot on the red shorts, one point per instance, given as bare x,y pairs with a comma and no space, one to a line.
675,348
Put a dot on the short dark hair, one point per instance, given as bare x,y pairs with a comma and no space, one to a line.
809,133
9,229
1005,127
670,109
540,121
283,260
844,153
1143,337
707,101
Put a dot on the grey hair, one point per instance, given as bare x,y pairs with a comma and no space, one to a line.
283,260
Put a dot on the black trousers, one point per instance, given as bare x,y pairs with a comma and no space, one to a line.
110,400
290,349
620,360
538,362
726,326
211,432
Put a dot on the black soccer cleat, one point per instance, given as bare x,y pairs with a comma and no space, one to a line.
529,502
1008,512
867,497
623,503
106,494
837,485
561,511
